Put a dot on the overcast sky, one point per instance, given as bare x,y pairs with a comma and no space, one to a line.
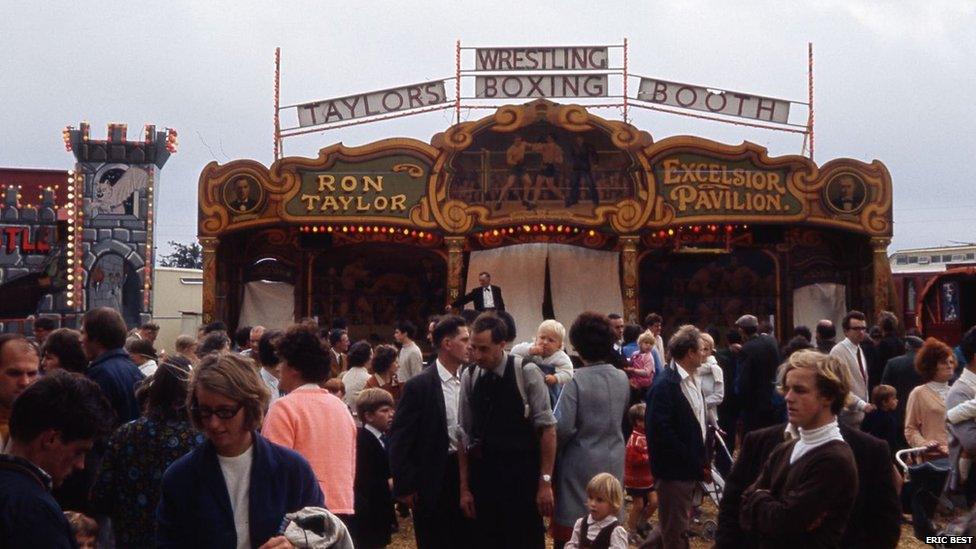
895,81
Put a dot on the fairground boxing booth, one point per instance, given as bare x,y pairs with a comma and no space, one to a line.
696,230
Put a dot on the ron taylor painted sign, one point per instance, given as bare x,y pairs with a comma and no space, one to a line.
388,186
369,104
723,102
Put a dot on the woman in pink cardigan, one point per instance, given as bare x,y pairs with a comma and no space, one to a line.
312,421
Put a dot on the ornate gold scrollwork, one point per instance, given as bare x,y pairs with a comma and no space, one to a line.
412,170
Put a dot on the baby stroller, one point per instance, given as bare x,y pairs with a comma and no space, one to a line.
922,493
716,487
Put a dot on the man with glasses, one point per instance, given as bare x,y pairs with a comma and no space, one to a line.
850,354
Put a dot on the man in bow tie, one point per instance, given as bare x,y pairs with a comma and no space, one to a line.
486,297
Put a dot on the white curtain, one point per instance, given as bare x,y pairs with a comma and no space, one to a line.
583,280
268,304
520,271
819,301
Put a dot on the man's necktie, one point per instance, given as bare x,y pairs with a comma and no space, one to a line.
860,364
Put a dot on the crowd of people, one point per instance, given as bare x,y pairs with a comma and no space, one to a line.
241,439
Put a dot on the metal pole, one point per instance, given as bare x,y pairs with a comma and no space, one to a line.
277,102
457,83
625,81
810,94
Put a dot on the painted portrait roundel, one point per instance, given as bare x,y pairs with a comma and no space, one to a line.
846,193
242,195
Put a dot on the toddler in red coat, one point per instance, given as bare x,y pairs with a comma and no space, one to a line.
638,481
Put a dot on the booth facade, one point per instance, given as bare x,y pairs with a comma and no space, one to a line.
567,210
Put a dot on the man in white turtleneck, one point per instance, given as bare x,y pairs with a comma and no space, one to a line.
808,485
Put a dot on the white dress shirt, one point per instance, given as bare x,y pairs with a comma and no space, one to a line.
966,409
618,538
451,388
693,393
271,382
489,298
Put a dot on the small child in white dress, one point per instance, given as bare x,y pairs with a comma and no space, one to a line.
600,529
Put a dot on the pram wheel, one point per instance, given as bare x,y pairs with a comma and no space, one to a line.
709,529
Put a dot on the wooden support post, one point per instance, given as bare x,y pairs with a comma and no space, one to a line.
209,245
628,254
882,275
455,266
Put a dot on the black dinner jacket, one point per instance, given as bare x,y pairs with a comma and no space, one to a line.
418,439
875,517
478,296
757,362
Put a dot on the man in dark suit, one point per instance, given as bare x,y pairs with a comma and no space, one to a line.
424,441
900,373
826,336
486,297
757,363
675,424
875,520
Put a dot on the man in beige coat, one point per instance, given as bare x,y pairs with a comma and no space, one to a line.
850,354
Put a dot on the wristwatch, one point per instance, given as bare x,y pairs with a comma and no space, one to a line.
547,478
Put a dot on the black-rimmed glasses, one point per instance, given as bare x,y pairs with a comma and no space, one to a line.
203,412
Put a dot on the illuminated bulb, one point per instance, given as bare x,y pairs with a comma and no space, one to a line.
592,232
670,232
70,303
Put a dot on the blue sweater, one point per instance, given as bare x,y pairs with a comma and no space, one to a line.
117,375
29,516
194,508
673,433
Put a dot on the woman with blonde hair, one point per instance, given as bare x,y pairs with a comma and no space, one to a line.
234,489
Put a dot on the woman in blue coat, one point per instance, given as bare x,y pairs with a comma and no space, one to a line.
233,490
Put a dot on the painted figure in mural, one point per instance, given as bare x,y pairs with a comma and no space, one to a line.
107,279
115,189
950,302
584,157
244,199
552,157
515,158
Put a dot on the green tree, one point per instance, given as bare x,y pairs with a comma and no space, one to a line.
184,256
